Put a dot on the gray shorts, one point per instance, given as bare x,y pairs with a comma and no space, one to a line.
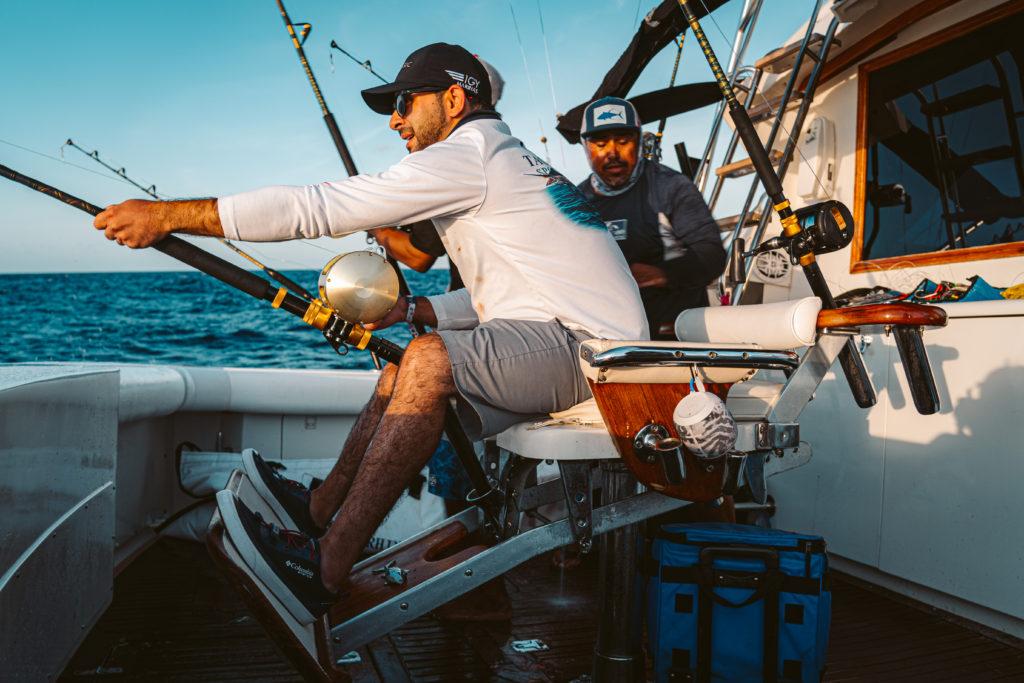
509,371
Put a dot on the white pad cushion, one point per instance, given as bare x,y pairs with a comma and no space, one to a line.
547,441
782,325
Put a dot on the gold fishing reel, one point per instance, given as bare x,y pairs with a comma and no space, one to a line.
360,286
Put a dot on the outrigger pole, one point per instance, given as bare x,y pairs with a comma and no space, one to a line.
338,332
849,358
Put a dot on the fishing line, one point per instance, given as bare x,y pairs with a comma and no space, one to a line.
672,79
533,94
59,160
551,78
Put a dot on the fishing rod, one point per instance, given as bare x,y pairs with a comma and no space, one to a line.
672,79
339,333
283,279
828,224
151,191
366,65
332,125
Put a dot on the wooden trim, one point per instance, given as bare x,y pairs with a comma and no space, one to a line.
881,37
935,258
882,314
860,170
857,263
423,560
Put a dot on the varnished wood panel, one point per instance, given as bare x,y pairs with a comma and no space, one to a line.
628,408
934,258
424,560
882,314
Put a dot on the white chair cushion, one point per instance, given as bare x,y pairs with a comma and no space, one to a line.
550,440
778,326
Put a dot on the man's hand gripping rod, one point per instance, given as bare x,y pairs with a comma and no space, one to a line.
849,358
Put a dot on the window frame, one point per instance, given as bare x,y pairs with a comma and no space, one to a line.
857,264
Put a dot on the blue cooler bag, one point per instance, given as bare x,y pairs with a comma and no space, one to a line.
731,603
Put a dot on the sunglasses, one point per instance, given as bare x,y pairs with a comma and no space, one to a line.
403,99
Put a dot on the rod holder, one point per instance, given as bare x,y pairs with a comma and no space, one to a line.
653,444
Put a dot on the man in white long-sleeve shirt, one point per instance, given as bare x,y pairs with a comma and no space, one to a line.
542,274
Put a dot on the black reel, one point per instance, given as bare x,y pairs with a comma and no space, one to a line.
827,227
824,227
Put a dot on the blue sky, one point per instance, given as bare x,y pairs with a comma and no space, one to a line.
209,98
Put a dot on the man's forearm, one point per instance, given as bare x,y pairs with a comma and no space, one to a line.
399,246
191,216
138,223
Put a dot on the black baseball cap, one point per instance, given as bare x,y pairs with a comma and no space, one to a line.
438,65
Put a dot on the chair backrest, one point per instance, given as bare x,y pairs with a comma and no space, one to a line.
782,325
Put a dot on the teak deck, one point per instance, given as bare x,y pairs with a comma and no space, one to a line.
175,618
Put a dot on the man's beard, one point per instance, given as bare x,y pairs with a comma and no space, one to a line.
431,130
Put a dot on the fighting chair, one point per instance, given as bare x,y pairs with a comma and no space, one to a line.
626,434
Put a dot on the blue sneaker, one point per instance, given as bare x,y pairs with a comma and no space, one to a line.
288,498
287,562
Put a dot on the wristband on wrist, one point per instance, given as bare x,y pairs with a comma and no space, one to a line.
410,310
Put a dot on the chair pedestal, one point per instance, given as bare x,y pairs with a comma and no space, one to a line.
618,655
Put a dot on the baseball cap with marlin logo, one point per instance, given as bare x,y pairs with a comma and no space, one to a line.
608,113
436,66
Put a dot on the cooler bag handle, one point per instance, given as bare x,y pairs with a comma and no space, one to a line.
761,583
765,586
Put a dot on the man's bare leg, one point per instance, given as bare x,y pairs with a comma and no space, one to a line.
406,437
325,499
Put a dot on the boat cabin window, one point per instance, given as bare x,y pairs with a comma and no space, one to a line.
941,169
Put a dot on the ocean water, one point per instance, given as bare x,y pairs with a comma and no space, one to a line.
184,318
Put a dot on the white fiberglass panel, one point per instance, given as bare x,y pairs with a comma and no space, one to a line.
951,512
839,493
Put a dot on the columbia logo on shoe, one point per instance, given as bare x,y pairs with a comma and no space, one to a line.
308,573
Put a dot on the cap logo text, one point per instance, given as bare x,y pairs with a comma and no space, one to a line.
470,83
